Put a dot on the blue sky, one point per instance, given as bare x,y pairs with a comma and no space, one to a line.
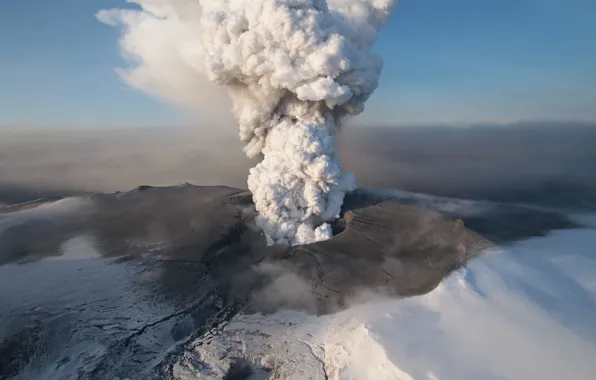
453,62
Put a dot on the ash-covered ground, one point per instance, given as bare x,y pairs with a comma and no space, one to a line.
134,274
116,285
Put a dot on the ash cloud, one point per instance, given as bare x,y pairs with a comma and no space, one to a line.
293,70
165,61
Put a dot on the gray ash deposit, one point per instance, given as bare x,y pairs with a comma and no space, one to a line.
115,285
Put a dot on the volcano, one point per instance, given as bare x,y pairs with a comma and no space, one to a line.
172,262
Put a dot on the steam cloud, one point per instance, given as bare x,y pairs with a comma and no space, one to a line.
293,69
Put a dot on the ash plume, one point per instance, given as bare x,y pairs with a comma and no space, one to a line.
293,70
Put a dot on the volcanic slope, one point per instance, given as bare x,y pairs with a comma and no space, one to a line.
173,262
399,249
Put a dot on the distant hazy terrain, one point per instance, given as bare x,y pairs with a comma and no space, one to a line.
545,163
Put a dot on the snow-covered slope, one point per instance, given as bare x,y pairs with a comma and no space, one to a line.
70,310
526,312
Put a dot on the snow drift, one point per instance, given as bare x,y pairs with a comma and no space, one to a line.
524,312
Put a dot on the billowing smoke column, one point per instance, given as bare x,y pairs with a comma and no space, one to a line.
293,69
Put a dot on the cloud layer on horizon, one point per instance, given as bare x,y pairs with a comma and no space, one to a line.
483,162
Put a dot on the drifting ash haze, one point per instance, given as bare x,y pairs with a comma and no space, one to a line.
293,69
